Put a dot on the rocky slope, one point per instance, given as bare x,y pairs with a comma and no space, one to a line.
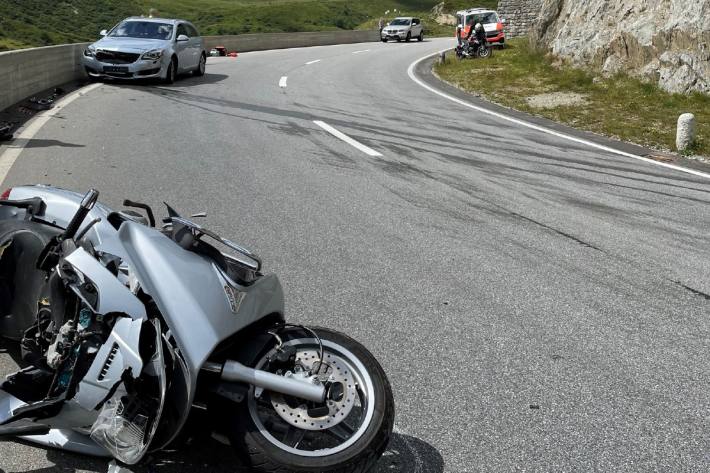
665,41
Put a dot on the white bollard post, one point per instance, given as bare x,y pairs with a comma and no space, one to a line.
685,135
442,57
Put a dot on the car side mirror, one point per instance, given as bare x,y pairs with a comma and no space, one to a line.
103,32
182,37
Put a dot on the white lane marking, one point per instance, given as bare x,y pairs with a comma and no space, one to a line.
283,82
312,62
365,149
362,51
26,133
543,129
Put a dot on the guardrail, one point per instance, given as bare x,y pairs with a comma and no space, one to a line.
26,72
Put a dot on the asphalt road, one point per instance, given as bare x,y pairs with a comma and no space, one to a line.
539,305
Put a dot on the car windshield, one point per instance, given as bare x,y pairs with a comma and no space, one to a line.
400,22
142,29
483,18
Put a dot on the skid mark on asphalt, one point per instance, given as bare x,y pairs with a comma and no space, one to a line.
693,291
412,76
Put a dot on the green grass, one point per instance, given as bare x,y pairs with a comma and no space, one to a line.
621,106
28,23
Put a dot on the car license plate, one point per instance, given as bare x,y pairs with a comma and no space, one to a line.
115,69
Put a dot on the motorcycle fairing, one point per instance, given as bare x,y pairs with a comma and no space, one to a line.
112,295
187,289
118,354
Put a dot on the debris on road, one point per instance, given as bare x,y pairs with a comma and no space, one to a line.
6,131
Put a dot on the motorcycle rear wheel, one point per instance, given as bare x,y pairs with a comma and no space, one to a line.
269,444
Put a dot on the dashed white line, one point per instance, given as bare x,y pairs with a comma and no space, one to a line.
283,83
312,62
362,51
410,72
365,149
15,148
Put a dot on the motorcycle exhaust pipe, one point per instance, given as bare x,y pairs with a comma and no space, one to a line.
235,372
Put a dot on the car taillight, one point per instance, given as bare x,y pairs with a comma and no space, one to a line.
499,26
6,195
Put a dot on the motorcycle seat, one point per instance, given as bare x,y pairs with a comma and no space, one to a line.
21,283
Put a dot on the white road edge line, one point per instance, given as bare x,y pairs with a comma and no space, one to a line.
312,62
283,82
543,129
362,51
30,129
365,149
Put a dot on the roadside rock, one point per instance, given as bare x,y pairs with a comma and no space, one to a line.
556,99
665,41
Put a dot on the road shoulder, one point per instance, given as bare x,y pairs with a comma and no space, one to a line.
423,71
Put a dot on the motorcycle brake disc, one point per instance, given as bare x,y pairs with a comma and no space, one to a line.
334,370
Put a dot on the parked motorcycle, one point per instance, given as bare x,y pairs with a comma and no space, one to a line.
124,329
472,49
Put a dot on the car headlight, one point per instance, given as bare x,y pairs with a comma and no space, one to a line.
153,55
90,52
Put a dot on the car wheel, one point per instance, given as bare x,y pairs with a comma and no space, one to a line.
171,72
384,40
200,71
420,38
409,36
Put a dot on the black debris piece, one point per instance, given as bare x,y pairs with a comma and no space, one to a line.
6,131
40,104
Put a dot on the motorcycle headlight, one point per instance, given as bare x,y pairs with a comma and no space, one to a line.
153,55
90,52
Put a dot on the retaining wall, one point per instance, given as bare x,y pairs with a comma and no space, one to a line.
26,72
520,15
261,42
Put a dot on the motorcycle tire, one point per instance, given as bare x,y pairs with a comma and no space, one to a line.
261,454
485,52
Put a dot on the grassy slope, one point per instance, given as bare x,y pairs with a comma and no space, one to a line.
26,23
620,106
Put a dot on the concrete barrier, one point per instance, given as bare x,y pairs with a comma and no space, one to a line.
261,42
26,72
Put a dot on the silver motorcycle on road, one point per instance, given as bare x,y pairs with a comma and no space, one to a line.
124,329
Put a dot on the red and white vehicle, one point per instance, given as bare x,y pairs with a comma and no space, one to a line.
490,20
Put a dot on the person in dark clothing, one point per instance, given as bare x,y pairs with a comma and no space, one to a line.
477,36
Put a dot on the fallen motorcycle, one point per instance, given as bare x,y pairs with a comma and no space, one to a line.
124,329
472,49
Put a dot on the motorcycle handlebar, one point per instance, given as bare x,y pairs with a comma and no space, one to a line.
87,203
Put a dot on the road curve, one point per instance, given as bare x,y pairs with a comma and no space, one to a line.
538,304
